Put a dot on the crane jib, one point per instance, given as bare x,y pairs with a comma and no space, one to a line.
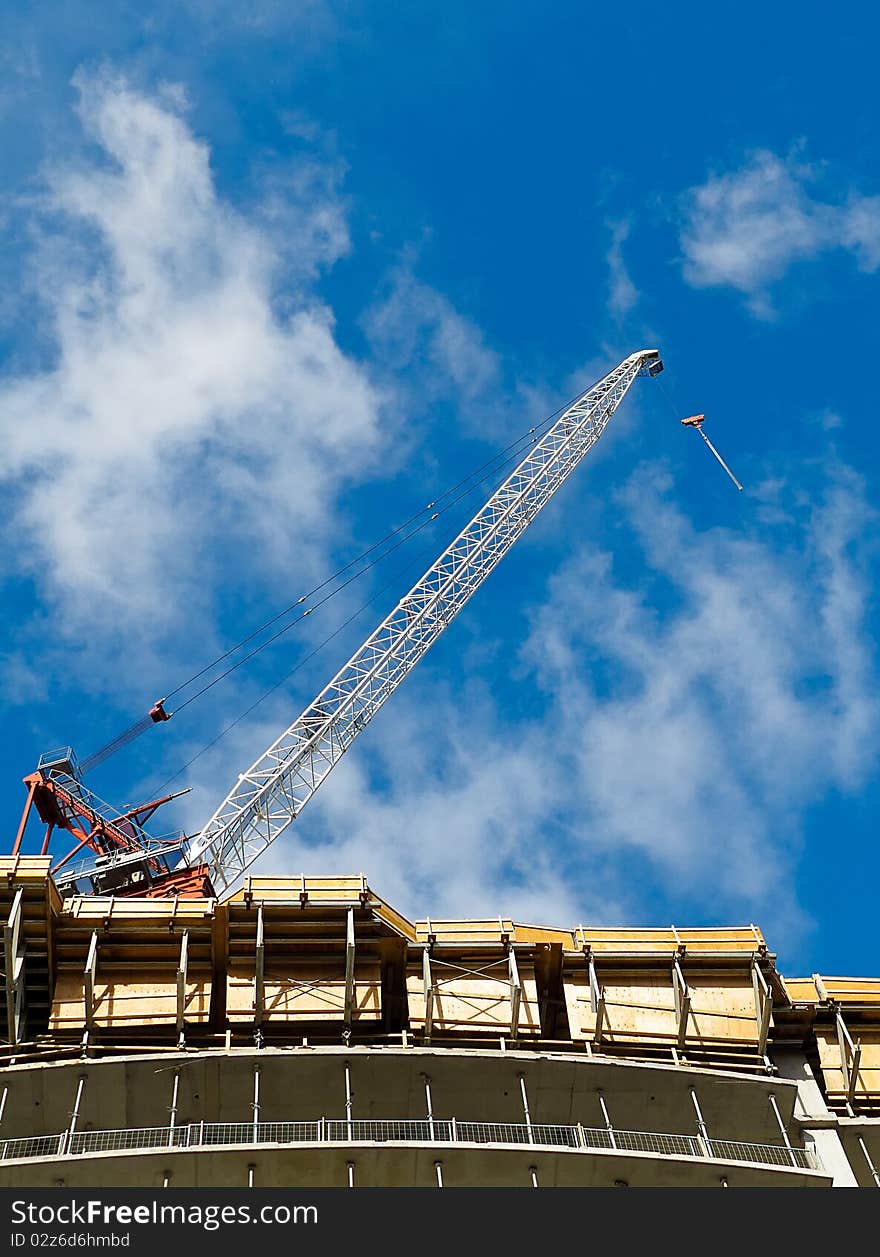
275,789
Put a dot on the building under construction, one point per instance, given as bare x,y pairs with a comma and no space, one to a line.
172,1020
304,1033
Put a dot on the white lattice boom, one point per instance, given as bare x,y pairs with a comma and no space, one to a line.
276,788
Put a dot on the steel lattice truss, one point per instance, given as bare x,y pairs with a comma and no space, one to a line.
275,789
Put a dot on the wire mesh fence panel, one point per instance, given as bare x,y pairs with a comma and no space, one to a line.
761,1154
34,1146
651,1141
288,1132
593,1137
379,1130
494,1133
227,1132
554,1136
83,1141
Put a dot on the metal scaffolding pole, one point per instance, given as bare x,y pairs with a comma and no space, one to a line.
429,1105
606,1117
348,1125
782,1130
703,1134
525,1102
172,1111
256,1103
875,1175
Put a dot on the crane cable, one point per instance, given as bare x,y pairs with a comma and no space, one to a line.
484,472
418,558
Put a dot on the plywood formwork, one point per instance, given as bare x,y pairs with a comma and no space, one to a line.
846,1025
469,978
702,993
28,903
313,952
306,890
128,966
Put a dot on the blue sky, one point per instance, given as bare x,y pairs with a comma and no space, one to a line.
272,283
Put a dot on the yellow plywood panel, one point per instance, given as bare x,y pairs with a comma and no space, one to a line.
315,889
108,912
801,990
310,992
468,1002
642,1006
637,941
542,934
868,1080
635,1007
120,1003
32,872
853,990
486,930
395,919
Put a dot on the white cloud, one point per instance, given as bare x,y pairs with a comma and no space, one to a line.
623,294
188,418
746,228
701,736
414,328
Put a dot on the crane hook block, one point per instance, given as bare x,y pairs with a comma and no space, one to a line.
158,712
693,421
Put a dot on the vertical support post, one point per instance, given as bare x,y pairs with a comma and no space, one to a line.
782,1130
763,1003
14,967
181,980
348,1124
251,1169
74,1116
349,967
525,1101
597,1000
256,1103
429,993
90,974
429,1105
438,1166
16,846
3,1103
606,1117
166,1177
349,1165
850,1058
259,969
172,1112
682,997
703,1134
47,838
533,1173
875,1175
515,994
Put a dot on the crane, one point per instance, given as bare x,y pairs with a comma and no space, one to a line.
272,793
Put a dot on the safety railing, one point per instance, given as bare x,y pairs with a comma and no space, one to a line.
405,1130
